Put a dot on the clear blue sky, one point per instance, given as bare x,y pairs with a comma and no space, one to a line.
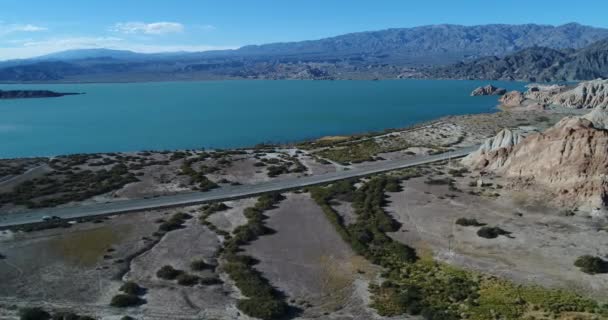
33,27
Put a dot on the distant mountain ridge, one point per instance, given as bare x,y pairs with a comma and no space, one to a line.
391,53
534,64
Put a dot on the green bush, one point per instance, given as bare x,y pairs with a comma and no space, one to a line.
168,273
125,301
591,265
33,314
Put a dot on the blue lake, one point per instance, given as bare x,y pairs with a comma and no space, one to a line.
222,114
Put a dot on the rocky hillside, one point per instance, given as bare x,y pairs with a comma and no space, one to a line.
585,95
534,64
569,160
392,53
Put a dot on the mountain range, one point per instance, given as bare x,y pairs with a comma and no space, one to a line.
534,64
446,51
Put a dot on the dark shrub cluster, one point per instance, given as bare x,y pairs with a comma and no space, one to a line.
132,288
125,301
189,280
40,314
367,236
168,273
175,222
198,178
56,189
466,222
200,265
263,301
492,232
591,265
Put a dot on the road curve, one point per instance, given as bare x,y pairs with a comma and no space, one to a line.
225,193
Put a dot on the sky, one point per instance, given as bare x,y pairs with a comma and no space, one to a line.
31,28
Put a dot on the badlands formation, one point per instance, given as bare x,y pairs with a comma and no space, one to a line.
568,161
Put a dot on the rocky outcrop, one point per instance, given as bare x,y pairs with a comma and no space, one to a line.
569,161
585,95
599,118
484,157
512,99
26,94
488,90
589,94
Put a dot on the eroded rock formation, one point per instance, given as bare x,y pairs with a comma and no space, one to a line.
488,90
568,160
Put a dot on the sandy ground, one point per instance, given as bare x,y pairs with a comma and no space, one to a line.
542,247
228,220
76,267
178,249
308,261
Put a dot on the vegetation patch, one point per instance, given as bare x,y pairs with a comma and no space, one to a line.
353,153
492,232
367,235
174,223
33,314
59,188
466,222
591,265
86,248
263,300
200,265
168,273
40,314
185,279
126,300
197,177
436,290
132,288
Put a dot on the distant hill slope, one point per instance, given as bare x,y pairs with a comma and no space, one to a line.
392,53
437,44
534,64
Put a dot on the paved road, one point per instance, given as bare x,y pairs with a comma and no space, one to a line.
226,193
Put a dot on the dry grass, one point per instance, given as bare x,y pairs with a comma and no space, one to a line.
85,248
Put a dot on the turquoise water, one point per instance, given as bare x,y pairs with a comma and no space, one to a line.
222,114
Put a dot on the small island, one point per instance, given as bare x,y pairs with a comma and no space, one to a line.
29,94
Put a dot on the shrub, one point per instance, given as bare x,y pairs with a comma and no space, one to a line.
125,300
491,232
591,265
185,279
266,309
199,265
70,316
465,222
132,288
33,314
168,273
210,281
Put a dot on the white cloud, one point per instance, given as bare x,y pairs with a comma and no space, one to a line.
29,49
6,29
156,28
